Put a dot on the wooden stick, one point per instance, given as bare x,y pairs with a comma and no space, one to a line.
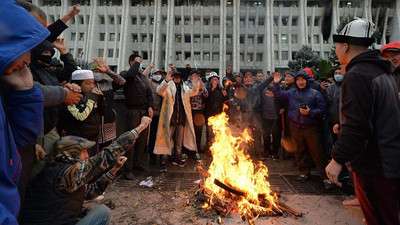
227,188
286,208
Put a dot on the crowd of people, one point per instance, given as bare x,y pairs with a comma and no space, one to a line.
59,144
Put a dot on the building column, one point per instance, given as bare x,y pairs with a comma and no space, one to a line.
123,54
236,36
170,33
268,47
222,40
157,42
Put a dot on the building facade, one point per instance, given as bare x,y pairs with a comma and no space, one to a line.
247,35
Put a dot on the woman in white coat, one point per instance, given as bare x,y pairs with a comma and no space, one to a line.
175,128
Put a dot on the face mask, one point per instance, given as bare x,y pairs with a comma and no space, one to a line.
98,76
208,77
338,77
45,58
157,77
141,66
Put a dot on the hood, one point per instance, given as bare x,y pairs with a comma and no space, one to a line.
20,32
42,47
306,76
372,57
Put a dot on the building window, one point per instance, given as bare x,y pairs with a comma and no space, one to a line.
250,39
143,20
228,56
294,38
259,57
228,39
187,38
197,21
178,56
294,54
102,36
110,53
197,39
276,55
152,20
52,3
241,39
145,55
206,39
187,20
294,21
241,57
216,21
135,38
252,21
206,21
178,38
119,19
71,50
112,37
285,21
216,39
316,22
178,20
316,39
249,57
144,38
73,36
81,36
275,21
260,39
101,52
134,20
261,21
80,19
111,19
197,56
117,53
80,52
215,57
206,56
187,55
164,20
326,55
242,23
285,55
284,38
275,38
228,21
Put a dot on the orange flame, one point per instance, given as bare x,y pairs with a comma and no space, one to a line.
234,168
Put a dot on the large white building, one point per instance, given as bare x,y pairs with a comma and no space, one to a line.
247,34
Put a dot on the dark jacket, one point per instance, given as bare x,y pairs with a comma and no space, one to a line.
215,101
47,76
269,106
137,90
396,75
80,125
23,108
331,97
370,118
252,102
296,96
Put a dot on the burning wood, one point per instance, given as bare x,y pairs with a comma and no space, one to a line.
233,182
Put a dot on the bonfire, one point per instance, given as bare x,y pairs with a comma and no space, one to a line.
234,183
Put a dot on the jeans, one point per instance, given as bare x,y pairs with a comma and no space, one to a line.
100,215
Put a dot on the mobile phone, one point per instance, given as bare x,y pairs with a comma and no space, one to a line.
303,106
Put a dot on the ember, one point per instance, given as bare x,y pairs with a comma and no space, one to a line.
234,183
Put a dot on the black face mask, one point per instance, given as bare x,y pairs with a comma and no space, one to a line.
44,58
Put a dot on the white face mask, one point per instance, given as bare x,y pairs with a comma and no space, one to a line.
157,77
208,77
98,76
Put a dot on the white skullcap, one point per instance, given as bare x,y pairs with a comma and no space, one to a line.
82,75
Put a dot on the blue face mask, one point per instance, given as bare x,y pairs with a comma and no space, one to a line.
98,76
338,77
157,77
141,66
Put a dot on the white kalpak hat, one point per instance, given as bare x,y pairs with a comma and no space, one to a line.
357,32
82,75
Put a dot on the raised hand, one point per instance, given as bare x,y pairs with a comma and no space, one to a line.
277,77
169,76
103,66
60,45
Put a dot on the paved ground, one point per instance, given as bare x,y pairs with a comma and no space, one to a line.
171,199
